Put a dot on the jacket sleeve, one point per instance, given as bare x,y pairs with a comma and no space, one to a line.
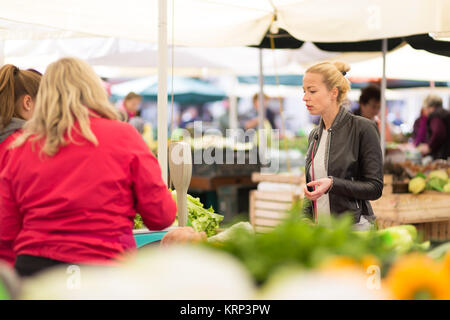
307,206
10,221
154,201
369,186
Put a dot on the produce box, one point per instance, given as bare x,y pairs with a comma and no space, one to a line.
428,211
269,208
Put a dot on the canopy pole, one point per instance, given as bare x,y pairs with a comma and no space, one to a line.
261,111
383,100
162,88
232,116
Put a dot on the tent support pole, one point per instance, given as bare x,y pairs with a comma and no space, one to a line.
383,101
233,106
261,111
162,88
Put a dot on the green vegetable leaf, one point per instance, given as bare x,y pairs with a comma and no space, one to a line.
199,218
420,174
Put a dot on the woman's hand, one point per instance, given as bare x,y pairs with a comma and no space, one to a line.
182,235
322,186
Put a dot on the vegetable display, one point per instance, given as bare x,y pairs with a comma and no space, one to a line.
199,218
298,242
436,180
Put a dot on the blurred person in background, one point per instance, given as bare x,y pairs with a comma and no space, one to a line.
130,106
254,121
344,165
76,177
438,129
190,115
129,111
18,90
370,106
419,134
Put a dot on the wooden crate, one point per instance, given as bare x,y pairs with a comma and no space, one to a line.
267,208
278,178
428,211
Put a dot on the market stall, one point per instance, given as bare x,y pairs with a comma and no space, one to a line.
419,195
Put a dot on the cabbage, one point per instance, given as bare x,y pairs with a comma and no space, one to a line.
229,234
402,239
437,184
441,174
447,188
416,185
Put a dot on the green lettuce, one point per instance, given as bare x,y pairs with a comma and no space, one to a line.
200,218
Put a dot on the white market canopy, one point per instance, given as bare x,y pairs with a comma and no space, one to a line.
405,63
220,23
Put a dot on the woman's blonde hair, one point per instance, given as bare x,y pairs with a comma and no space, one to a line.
69,92
333,76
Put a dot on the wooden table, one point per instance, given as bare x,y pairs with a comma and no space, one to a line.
214,182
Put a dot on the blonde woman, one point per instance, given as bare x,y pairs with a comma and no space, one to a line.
18,90
344,167
81,178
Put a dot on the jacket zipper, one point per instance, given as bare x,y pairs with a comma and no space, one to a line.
328,153
356,200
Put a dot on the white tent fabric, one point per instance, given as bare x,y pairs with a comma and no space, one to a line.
10,30
112,57
219,23
348,20
405,63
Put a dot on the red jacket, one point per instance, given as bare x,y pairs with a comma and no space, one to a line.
6,252
78,206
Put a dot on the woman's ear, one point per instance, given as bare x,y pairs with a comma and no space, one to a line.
335,92
27,103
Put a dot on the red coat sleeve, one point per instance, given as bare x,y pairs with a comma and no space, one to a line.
10,221
154,201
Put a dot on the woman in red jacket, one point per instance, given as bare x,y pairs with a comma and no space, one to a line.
76,177
18,90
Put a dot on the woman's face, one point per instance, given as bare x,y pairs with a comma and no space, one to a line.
318,98
133,104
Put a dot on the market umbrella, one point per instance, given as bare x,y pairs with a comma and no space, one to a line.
185,90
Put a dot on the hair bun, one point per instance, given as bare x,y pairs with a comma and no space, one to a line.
342,67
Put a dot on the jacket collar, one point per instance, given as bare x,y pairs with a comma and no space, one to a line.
341,118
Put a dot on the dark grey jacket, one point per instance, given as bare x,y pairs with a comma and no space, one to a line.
354,160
